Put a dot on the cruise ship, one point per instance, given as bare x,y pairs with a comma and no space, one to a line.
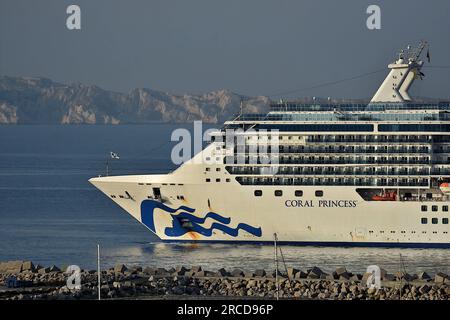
372,174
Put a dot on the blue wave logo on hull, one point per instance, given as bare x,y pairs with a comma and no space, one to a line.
184,213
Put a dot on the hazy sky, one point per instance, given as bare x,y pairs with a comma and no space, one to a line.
253,47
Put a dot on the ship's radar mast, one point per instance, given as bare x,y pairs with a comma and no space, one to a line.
403,73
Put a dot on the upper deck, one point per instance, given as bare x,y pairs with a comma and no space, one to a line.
372,112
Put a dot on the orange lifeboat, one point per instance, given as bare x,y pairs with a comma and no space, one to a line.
387,196
445,187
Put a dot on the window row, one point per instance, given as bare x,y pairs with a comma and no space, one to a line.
424,208
356,170
434,220
333,181
279,193
218,180
377,138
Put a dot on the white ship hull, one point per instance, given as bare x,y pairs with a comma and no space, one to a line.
340,217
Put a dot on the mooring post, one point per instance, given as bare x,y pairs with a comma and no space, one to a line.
98,271
276,266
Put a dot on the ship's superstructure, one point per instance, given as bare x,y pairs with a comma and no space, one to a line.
333,174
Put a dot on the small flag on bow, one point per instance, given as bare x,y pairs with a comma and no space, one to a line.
114,155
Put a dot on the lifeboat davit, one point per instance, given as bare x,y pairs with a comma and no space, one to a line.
387,196
445,187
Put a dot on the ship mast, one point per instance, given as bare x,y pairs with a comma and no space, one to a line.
403,73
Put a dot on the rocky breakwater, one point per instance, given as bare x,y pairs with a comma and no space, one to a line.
49,283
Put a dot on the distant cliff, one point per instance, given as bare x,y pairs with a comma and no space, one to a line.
43,101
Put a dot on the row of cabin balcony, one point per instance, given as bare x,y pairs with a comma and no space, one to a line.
368,171
279,159
347,107
338,149
344,116
332,138
379,138
405,182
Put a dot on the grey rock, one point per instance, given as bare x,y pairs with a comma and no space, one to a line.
341,270
356,277
196,268
162,272
54,268
222,272
180,270
389,277
440,277
423,276
300,275
326,276
200,273
43,270
11,266
404,276
150,271
291,272
28,266
120,268
189,273
260,273
316,272
237,273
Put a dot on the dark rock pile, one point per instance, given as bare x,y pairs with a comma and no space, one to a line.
136,282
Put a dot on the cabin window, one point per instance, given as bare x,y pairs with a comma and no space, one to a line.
218,180
217,169
258,193
434,221
434,208
445,208
208,169
208,180
319,193
444,220
424,208
424,220
228,180
298,193
278,193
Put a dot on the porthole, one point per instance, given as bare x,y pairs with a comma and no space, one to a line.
319,193
298,193
278,193
434,220
258,193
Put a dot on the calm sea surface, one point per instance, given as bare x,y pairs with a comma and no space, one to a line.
50,214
